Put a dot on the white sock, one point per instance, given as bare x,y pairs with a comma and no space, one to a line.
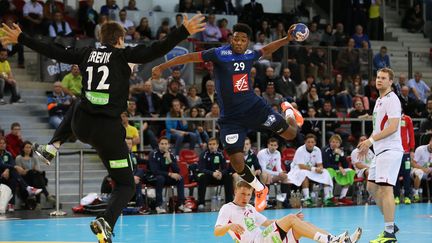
344,192
416,192
305,192
327,192
320,237
389,227
257,185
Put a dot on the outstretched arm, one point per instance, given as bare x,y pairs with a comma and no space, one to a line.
273,46
191,57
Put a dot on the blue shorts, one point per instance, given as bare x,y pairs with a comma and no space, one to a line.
261,116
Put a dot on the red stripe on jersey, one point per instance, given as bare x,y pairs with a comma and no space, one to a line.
200,56
383,122
229,222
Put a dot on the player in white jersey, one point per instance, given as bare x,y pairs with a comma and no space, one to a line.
387,144
361,166
270,162
421,166
243,223
307,165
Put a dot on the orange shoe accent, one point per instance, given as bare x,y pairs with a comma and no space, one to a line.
261,199
297,115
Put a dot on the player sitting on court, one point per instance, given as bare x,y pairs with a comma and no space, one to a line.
421,167
243,223
307,165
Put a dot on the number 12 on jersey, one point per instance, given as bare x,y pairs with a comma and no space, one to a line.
101,85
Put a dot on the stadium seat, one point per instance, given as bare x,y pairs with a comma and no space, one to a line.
188,156
184,172
287,158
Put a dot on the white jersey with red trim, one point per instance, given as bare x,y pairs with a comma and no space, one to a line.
247,217
385,108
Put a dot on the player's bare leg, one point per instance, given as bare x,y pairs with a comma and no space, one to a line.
373,191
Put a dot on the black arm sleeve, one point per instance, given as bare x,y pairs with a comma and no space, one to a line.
143,54
71,56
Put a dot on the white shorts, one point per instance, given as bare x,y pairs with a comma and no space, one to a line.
296,176
271,235
323,178
361,173
385,167
419,173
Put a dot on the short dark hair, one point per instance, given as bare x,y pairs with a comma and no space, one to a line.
244,28
310,135
163,138
111,32
179,15
15,124
213,139
272,140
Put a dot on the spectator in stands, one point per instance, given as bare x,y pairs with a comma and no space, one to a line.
59,27
101,20
14,139
7,80
306,85
198,127
110,9
88,18
177,130
343,96
163,165
252,14
50,8
408,143
179,22
359,37
222,24
148,102
409,104
413,19
419,89
327,38
348,60
172,93
375,21
334,161
326,90
311,126
357,91
214,113
371,91
187,6
33,16
286,86
209,96
212,31
147,131
265,61
15,48
144,29
264,29
307,166
361,165
315,35
381,59
278,32
257,91
401,82
213,170
225,7
131,6
135,79
428,110
133,111
421,167
29,168
251,160
364,55
131,131
328,112
58,104
208,66
208,6
271,96
361,113
71,82
306,64
176,75
340,37
127,24
10,177
193,98
159,85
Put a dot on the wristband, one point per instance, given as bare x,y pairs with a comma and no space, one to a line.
313,169
371,140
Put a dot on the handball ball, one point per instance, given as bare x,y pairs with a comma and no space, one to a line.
300,32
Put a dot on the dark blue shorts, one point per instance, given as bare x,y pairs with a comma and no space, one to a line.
233,130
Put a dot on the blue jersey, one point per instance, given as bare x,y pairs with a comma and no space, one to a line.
232,78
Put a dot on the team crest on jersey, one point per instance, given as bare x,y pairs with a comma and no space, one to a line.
270,120
177,51
226,52
240,82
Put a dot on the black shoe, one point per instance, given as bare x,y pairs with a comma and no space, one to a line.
102,230
46,152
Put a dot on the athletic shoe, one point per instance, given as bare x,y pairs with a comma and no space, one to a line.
335,201
45,152
102,230
396,229
261,199
397,200
355,237
416,198
289,111
328,202
160,210
201,208
385,238
346,201
407,200
342,238
184,209
33,191
11,207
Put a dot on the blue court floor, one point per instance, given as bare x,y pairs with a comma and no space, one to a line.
415,222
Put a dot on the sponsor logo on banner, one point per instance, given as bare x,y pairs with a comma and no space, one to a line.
231,138
177,51
240,82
